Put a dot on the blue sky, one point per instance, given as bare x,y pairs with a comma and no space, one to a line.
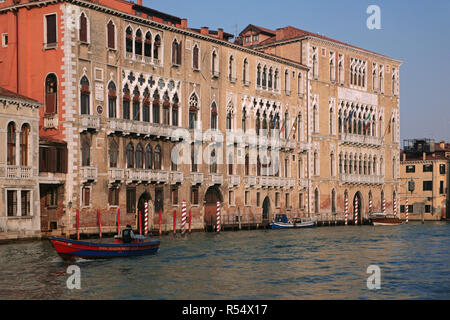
415,32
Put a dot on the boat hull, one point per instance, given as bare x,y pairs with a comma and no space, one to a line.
387,222
71,249
279,225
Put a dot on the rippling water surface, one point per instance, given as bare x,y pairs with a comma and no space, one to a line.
320,263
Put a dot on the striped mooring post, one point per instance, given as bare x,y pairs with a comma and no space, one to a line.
346,211
356,211
218,217
384,205
407,210
146,219
370,205
395,207
183,217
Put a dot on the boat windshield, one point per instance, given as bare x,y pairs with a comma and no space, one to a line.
281,218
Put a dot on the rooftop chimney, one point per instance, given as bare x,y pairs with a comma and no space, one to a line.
204,30
184,23
220,33
424,156
442,144
279,34
139,2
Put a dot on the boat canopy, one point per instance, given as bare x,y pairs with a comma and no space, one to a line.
281,218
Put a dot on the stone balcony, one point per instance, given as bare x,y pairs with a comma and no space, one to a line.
197,178
51,121
161,176
360,140
139,176
139,128
89,174
303,183
18,172
116,175
234,180
361,179
216,179
250,181
176,177
89,123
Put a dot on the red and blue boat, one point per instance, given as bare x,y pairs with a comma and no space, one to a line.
73,249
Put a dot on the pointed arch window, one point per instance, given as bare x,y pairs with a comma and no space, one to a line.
156,48
258,75
176,52
213,162
232,69
244,120
85,151
247,165
136,104
51,94
138,43
148,157
148,45
158,158
85,96
130,156
83,28
245,73
112,100
175,107
214,116
146,106
156,107
229,121
214,64
139,156
24,143
166,109
111,30
193,110
129,40
113,153
126,103
196,58
11,140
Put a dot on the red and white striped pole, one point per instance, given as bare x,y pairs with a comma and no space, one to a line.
370,205
407,210
356,211
183,217
395,207
118,221
146,219
384,205
218,216
346,210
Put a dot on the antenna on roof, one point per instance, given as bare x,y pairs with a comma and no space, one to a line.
235,30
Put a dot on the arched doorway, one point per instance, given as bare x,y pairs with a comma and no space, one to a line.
145,197
212,195
266,210
358,207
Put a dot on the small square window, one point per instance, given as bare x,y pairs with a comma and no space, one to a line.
4,40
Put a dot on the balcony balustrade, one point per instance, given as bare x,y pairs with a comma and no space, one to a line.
360,140
361,179
17,172
176,177
51,121
89,122
116,175
250,181
234,180
89,174
216,179
197,178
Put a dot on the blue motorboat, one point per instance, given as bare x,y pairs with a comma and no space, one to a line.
282,221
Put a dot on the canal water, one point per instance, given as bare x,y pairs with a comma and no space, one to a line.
321,263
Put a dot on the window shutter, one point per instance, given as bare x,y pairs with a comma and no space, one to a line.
111,36
179,53
52,159
87,195
51,28
83,29
50,103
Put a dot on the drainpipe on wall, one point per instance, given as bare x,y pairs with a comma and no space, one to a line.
17,50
